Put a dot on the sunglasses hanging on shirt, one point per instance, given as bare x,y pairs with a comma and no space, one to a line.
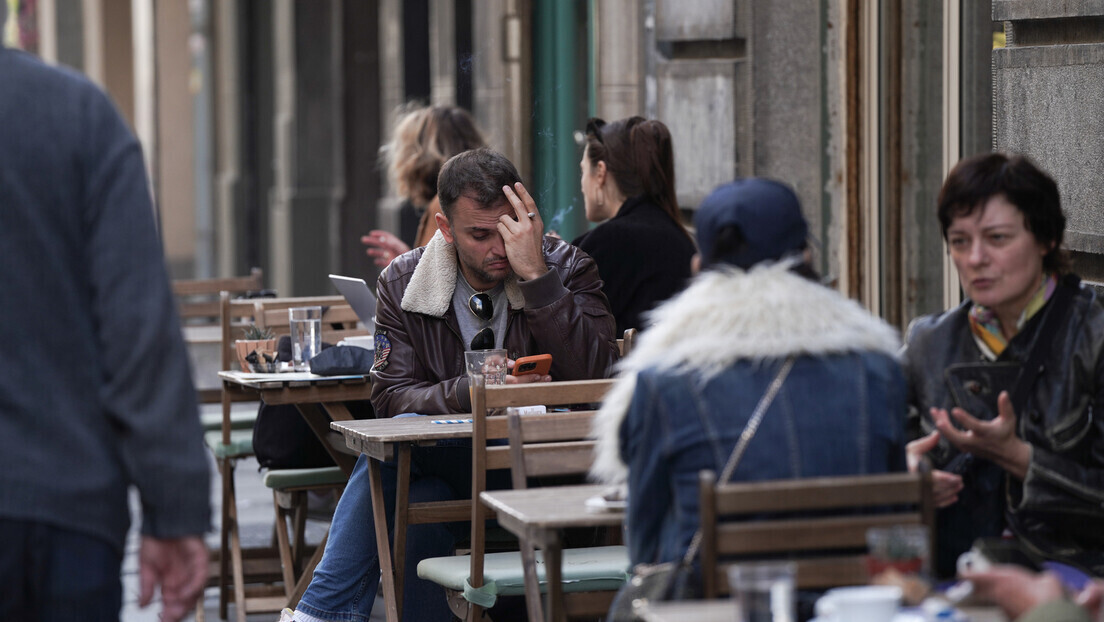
482,307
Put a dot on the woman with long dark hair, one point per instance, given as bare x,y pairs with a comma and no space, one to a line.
642,250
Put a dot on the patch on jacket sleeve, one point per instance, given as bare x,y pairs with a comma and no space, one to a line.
383,350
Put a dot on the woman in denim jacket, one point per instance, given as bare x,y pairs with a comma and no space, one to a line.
701,367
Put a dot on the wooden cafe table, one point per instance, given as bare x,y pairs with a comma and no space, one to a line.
320,399
391,440
539,516
724,610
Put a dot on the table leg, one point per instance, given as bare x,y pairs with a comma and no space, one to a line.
553,571
532,582
319,422
338,411
379,517
402,504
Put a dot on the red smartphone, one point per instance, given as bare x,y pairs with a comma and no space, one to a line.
538,364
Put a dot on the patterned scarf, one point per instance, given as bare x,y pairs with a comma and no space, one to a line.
987,329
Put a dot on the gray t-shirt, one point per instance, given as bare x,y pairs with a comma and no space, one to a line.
470,324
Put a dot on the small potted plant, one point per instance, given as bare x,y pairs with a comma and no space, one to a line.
257,350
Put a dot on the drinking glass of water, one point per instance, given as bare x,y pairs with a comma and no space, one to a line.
306,335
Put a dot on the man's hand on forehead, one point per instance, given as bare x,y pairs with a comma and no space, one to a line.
522,232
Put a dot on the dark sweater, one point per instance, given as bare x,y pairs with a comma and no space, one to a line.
96,393
643,257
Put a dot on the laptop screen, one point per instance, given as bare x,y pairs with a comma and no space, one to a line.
359,296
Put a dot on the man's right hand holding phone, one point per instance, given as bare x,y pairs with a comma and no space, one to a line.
529,369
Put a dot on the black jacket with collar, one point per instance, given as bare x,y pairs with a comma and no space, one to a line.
643,256
1058,509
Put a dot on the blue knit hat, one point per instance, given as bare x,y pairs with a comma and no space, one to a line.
767,213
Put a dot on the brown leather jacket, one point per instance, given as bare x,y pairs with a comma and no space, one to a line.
419,365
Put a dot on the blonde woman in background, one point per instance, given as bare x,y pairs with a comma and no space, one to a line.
423,139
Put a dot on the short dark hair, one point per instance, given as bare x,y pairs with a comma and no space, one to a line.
478,174
975,180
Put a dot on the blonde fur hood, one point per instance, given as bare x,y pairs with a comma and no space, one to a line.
434,281
729,315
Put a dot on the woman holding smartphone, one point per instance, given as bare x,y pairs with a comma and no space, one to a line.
1004,386
642,250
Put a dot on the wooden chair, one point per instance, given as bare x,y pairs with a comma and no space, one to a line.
819,522
198,299
626,342
544,445
199,307
465,574
261,568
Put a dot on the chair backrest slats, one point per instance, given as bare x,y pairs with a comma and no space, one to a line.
820,523
198,299
488,425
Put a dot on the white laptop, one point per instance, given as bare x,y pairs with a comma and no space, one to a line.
360,298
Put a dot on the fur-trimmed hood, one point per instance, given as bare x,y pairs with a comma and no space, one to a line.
728,315
434,281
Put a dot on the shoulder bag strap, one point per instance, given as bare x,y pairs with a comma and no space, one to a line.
741,445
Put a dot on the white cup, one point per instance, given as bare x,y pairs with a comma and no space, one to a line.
866,603
306,335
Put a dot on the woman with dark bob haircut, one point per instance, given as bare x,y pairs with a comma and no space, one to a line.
1002,388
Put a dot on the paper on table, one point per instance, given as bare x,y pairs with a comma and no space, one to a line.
612,500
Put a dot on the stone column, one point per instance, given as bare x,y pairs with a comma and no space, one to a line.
619,59
442,52
309,146
501,84
1049,105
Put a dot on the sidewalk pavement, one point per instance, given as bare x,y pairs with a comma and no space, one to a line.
256,517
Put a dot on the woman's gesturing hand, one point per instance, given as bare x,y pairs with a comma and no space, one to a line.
383,246
945,485
994,440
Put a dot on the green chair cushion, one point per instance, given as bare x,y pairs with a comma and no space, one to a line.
279,479
600,568
240,419
240,446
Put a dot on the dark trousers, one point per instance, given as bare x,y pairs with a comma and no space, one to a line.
49,574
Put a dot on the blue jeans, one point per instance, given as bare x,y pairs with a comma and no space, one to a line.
343,588
47,573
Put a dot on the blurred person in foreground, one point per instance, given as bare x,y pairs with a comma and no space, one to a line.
424,138
96,395
1026,596
642,250
1014,446
698,372
489,278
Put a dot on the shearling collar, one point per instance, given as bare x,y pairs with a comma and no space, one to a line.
434,281
729,315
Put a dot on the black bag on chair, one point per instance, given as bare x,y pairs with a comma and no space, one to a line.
283,440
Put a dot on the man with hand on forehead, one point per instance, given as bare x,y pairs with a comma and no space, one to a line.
489,278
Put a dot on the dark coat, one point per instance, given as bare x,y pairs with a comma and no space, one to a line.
1057,508
643,257
96,393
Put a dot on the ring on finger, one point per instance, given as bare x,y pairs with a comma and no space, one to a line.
532,214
